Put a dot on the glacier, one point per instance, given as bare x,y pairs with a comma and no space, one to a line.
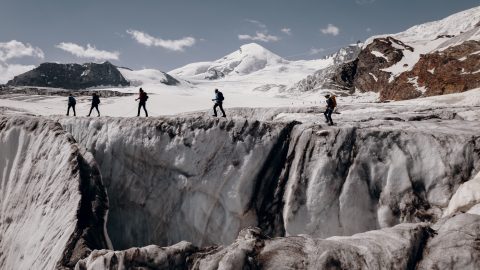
178,190
53,203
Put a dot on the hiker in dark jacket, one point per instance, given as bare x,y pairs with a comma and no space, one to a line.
95,102
330,107
218,103
71,104
143,100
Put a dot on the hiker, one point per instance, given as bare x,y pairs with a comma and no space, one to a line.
218,103
95,102
71,104
331,104
143,100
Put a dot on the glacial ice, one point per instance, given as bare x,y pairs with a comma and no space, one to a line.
48,186
362,195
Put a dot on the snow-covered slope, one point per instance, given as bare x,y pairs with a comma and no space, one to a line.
147,77
249,58
53,204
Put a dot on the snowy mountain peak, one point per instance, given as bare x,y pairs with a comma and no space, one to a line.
246,60
254,49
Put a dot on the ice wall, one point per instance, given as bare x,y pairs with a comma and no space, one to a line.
355,179
202,180
51,197
195,179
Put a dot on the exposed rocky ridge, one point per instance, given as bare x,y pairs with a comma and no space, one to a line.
337,76
53,202
399,247
9,90
453,70
71,76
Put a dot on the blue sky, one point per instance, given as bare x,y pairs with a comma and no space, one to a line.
169,34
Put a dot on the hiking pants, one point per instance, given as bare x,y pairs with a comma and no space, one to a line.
140,105
73,107
328,115
96,107
220,105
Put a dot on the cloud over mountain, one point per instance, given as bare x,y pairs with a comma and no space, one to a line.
173,45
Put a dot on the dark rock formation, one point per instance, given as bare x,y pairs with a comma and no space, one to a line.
71,76
454,70
338,76
8,90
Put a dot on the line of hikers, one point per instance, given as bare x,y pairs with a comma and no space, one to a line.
219,98
142,98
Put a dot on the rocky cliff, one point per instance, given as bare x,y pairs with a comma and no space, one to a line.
71,76
339,75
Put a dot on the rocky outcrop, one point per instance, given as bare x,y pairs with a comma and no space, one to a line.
340,75
453,70
10,90
71,76
53,201
380,54
393,248
455,245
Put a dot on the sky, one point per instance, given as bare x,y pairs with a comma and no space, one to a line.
169,34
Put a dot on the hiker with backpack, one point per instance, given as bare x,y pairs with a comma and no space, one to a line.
142,97
218,103
71,104
95,102
331,104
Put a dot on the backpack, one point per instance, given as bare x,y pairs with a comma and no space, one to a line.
146,97
334,101
220,96
71,100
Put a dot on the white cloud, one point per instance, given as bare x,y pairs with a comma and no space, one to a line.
364,2
368,30
257,23
8,71
173,45
314,51
330,30
17,49
287,31
88,52
265,37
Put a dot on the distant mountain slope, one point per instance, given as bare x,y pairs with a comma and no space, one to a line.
246,60
71,76
249,59
147,76
335,76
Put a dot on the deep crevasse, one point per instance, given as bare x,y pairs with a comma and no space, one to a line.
203,180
